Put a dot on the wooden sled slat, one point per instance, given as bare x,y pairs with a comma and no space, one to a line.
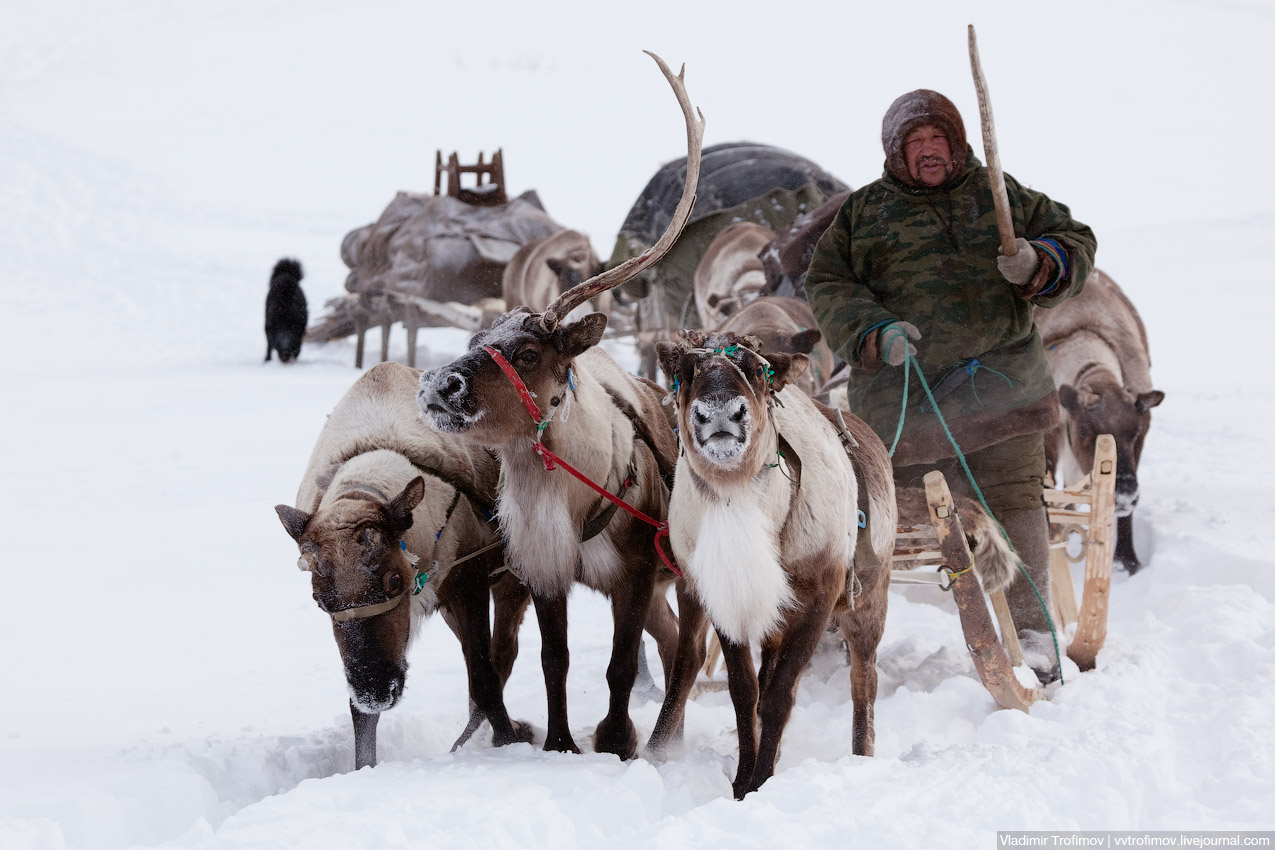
990,660
1091,628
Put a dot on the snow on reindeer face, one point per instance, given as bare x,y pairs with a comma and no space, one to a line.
472,396
723,387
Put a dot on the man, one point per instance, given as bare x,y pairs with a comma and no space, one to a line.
911,266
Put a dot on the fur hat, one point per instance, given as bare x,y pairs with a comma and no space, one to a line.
916,109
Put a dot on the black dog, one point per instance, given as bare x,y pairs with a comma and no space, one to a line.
286,313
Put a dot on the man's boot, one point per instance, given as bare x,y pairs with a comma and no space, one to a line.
1028,531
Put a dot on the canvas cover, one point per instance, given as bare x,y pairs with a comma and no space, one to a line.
438,247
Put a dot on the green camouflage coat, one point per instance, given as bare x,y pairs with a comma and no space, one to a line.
928,256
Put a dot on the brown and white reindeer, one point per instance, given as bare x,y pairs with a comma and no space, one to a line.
540,393
730,274
787,325
771,491
385,510
764,521
542,270
1097,349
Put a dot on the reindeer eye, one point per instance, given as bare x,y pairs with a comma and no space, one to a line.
528,356
393,583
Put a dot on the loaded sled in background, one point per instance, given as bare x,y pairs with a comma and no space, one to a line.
434,260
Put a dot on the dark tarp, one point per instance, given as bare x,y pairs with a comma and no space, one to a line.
738,181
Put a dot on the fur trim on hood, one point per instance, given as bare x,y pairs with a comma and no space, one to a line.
915,109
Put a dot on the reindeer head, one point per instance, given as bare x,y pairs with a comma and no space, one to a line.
1099,404
723,386
361,576
474,398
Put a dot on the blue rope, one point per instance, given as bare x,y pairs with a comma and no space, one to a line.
910,360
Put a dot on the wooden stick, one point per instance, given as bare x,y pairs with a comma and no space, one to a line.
999,196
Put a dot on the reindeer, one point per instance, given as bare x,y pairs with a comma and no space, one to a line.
532,388
543,269
386,515
763,518
787,325
1097,349
770,494
730,274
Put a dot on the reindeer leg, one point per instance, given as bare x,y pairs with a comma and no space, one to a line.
862,629
1125,557
511,598
741,680
467,604
661,624
629,605
364,737
680,675
794,652
555,658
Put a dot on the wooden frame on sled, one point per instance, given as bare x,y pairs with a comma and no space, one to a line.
942,544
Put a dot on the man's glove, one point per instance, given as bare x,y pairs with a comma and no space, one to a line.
893,343
1019,268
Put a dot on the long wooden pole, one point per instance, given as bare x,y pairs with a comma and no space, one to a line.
999,196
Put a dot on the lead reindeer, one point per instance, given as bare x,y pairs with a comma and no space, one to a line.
764,519
771,491
385,520
540,393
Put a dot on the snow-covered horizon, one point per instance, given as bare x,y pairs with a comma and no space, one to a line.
169,681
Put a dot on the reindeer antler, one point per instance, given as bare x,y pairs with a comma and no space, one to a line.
577,295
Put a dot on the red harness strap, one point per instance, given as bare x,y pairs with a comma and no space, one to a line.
552,461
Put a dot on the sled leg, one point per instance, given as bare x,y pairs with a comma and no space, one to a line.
1009,634
1064,590
980,636
713,655
1091,629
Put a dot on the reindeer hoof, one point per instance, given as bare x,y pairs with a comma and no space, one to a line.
561,744
616,737
520,732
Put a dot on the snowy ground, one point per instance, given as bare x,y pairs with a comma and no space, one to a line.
169,682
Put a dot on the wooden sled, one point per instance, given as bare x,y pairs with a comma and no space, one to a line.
942,545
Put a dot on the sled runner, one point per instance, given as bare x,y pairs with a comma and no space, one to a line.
1082,514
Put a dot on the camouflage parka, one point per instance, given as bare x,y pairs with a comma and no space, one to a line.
927,255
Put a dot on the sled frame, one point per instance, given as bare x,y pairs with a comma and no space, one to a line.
1085,510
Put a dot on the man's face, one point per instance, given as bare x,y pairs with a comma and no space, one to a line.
928,155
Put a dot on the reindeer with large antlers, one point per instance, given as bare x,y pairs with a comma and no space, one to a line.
542,395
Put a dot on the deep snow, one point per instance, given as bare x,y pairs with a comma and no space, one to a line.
170,683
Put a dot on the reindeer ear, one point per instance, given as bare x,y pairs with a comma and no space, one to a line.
576,338
787,368
1068,398
567,274
805,341
294,521
402,505
1148,400
669,354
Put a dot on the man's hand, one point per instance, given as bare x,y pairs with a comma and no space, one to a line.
893,342
1019,268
